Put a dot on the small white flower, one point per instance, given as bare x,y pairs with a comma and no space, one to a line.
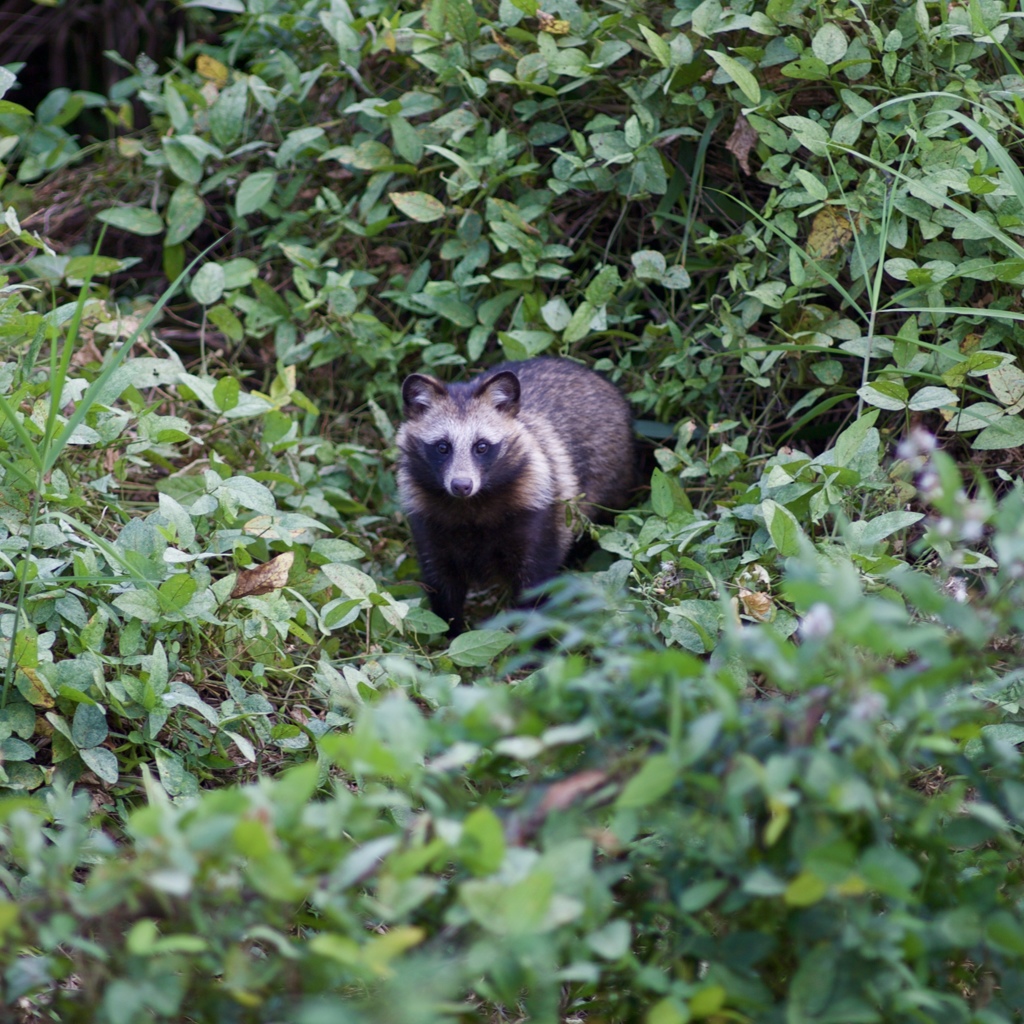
817,623
918,442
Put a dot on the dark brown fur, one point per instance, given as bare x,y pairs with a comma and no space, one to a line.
486,468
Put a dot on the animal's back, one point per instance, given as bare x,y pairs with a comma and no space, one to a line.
577,411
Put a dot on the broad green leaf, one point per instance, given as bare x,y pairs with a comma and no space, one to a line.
227,118
255,192
805,890
482,842
885,394
224,319
739,74
975,417
185,212
604,287
579,325
420,206
830,43
406,140
225,393
80,267
809,68
661,494
887,524
185,164
658,46
367,156
527,907
849,442
525,344
810,133
1007,383
89,726
556,313
1006,433
208,284
783,526
649,264
668,1011
656,777
102,761
479,647
352,582
176,591
933,398
133,219
612,941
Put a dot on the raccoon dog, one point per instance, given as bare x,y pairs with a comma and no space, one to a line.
485,469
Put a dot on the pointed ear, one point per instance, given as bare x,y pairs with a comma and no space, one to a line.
502,391
419,393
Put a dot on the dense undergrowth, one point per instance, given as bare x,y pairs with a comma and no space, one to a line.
757,760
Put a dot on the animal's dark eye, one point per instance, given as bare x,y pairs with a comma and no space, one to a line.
443,448
482,447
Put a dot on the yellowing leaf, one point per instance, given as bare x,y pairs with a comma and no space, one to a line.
1007,383
212,70
830,231
552,25
418,205
805,890
757,606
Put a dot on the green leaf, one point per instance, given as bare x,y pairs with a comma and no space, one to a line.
78,268
89,726
526,907
176,591
1007,433
525,344
888,523
667,1011
739,74
830,43
805,890
420,206
226,392
102,761
656,777
556,313
482,842
809,133
352,582
227,118
661,494
185,164
208,284
579,325
808,68
133,219
658,46
885,394
406,140
604,287
185,212
933,398
479,647
254,193
783,526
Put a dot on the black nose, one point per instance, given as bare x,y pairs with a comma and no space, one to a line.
461,487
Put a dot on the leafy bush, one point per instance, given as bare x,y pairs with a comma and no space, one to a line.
760,761
820,831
